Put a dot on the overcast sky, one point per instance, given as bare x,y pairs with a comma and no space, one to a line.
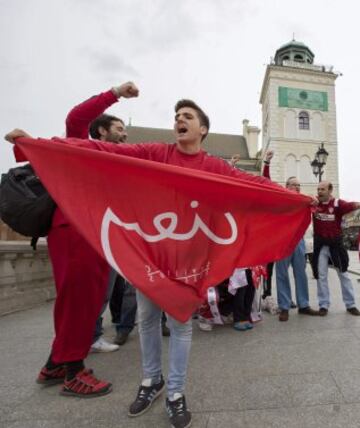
57,53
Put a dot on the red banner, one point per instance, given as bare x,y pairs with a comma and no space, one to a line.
171,231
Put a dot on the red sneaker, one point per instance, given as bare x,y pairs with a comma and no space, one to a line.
51,377
85,385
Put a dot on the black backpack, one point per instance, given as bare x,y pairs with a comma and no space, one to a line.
25,204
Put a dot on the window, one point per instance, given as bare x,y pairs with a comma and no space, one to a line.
298,58
304,121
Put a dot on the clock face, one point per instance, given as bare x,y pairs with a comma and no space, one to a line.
303,98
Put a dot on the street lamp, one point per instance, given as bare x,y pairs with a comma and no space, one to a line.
319,162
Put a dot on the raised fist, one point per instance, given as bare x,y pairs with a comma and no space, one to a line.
126,90
269,155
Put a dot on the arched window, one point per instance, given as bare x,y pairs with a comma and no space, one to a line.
304,121
299,58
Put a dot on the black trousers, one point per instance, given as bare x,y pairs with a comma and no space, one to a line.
267,285
240,304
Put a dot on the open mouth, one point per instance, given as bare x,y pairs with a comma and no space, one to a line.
182,130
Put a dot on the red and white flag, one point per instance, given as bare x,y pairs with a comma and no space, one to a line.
171,231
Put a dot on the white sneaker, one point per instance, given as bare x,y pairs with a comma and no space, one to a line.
204,325
101,345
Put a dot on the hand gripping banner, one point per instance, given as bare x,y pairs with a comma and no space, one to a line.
173,232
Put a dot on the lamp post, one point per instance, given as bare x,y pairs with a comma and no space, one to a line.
319,162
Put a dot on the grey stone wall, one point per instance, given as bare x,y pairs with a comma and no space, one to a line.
25,276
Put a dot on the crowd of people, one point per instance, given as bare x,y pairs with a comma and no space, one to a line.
85,284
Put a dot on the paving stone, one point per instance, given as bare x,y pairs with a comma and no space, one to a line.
303,373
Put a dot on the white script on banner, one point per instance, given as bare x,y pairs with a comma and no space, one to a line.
168,232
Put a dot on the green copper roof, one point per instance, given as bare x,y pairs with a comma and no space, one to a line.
294,44
294,51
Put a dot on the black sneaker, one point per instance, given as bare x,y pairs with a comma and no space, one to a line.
179,415
121,338
354,311
323,312
145,397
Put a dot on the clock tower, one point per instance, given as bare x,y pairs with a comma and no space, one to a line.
298,114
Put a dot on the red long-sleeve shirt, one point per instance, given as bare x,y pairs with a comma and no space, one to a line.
80,117
328,215
77,125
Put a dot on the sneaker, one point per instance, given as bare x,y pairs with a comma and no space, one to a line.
204,325
51,377
353,311
121,338
323,312
243,326
179,415
85,385
283,315
309,311
101,345
146,395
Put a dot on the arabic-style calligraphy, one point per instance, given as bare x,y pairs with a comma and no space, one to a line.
193,275
169,230
152,274
164,232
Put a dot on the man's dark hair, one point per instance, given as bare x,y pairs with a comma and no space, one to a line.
203,117
104,120
330,187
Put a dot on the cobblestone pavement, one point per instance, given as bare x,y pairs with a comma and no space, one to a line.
302,373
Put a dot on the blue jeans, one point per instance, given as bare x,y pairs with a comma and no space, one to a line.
127,301
298,262
149,318
347,289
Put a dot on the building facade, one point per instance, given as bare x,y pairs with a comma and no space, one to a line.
298,114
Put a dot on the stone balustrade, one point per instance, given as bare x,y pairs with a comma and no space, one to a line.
25,276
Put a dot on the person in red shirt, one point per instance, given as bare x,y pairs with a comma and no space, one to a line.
191,127
328,245
88,118
80,273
